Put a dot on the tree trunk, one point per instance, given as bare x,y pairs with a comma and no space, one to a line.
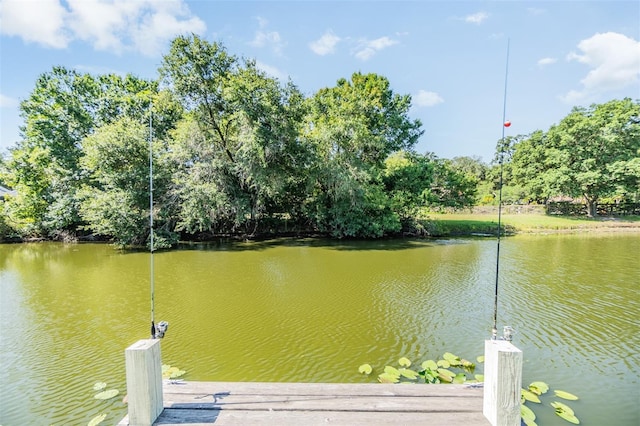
592,207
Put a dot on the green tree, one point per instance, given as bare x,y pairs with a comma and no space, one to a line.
593,152
115,202
238,152
408,177
353,128
64,107
451,187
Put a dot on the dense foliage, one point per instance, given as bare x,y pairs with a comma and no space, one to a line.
238,152
234,152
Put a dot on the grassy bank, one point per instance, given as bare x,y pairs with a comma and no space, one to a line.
468,224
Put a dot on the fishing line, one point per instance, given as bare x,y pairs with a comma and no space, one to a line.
153,325
505,124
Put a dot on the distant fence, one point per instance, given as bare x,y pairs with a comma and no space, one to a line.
567,208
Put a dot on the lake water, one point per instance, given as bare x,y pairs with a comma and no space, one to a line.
314,311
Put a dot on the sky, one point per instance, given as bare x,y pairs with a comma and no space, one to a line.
455,58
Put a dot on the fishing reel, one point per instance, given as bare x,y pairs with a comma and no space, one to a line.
158,330
507,333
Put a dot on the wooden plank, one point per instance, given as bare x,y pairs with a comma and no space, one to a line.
295,418
242,403
281,388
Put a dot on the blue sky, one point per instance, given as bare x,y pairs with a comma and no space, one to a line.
450,56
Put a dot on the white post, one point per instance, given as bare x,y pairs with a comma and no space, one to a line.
144,381
502,383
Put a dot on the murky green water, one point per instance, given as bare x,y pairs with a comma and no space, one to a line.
314,311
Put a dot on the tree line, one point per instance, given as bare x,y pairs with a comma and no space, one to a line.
235,151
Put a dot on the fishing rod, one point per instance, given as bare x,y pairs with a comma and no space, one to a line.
157,331
508,331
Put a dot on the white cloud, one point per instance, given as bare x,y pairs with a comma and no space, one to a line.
115,25
35,21
265,38
547,61
427,99
7,102
476,18
614,60
368,48
272,71
325,44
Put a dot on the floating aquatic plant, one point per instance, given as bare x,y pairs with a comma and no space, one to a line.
169,372
441,371
365,369
97,420
99,386
565,395
565,412
108,394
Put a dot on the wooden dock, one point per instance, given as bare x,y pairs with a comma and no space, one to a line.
242,403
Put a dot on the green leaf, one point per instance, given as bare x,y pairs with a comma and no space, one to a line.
107,394
480,359
409,374
365,369
571,418
559,406
453,360
392,371
527,413
443,363
99,386
530,396
479,377
97,420
404,362
565,395
539,388
388,378
460,378
430,365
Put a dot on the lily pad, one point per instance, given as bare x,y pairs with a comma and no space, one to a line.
559,406
404,362
388,378
460,378
108,394
530,396
430,365
527,414
539,388
565,395
409,374
568,417
480,358
97,420
443,363
365,369
99,386
479,377
454,360
392,371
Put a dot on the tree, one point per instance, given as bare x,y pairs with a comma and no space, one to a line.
451,187
115,202
64,107
593,151
407,177
353,128
238,151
